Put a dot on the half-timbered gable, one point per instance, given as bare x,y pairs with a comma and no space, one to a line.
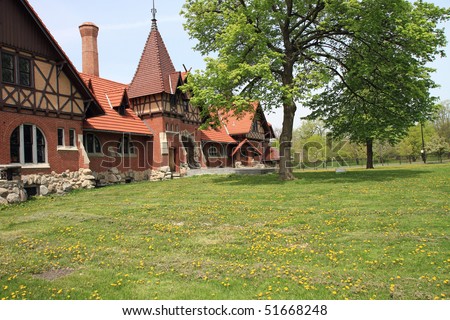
43,101
37,77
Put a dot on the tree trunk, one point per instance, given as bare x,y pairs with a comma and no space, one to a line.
286,167
369,145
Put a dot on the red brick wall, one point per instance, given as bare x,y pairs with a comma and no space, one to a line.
224,160
59,161
158,124
140,161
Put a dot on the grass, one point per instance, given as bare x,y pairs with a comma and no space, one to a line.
381,234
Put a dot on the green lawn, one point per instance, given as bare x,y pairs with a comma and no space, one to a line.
380,234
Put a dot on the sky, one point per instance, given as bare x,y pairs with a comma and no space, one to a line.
124,28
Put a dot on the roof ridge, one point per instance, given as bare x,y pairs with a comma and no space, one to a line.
90,76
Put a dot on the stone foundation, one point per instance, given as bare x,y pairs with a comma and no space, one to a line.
55,183
45,184
12,192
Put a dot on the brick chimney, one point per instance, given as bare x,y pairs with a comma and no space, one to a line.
89,33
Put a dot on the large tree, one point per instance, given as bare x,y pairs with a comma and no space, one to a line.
282,51
382,85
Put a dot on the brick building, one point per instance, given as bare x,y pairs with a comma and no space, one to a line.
53,118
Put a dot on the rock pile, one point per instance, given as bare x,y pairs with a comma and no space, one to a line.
61,183
12,192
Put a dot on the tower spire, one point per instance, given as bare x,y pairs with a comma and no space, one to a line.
154,11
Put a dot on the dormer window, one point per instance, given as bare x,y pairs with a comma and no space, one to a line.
121,110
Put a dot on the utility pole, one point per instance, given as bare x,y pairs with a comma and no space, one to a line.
423,152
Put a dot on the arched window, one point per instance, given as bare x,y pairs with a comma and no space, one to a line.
28,145
213,151
91,143
128,146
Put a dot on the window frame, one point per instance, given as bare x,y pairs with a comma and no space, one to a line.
126,141
3,68
72,138
214,152
255,126
17,72
96,144
34,151
61,138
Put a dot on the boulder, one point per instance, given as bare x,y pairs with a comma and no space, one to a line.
3,192
89,177
165,169
43,190
87,183
87,172
13,198
44,180
112,178
67,187
23,196
114,170
3,201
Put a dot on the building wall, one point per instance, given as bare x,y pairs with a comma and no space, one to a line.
224,159
168,149
141,160
57,160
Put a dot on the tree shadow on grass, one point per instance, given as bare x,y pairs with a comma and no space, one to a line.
314,177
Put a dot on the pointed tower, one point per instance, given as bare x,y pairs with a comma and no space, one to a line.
156,98
155,70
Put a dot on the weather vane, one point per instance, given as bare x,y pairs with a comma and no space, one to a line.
154,11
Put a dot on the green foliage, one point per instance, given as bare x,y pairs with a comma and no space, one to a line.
381,86
442,120
366,58
438,146
411,145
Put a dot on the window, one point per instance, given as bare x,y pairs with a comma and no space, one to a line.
24,72
186,105
16,70
61,137
91,143
255,127
173,100
121,110
167,127
28,145
72,138
128,147
8,68
213,151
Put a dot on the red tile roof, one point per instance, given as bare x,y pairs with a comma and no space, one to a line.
155,69
242,124
110,95
217,135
